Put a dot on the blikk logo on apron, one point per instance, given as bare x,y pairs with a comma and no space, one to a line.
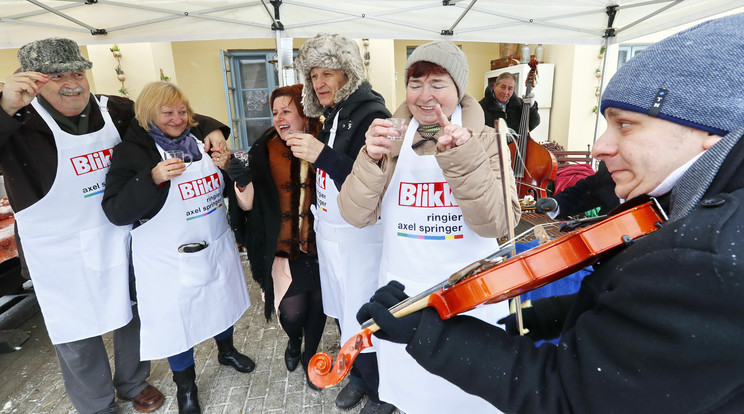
321,178
88,163
435,225
193,191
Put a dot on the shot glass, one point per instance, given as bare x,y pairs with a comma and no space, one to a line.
243,156
186,158
399,125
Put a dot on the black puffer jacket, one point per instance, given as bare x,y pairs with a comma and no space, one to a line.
655,329
356,114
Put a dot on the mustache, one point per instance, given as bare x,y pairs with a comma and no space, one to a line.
67,91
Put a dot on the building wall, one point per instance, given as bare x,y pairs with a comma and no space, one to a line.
8,62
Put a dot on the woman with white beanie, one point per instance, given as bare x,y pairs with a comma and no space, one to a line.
332,68
657,327
438,197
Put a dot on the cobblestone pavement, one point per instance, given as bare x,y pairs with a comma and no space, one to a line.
31,382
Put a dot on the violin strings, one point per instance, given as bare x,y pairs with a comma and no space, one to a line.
468,271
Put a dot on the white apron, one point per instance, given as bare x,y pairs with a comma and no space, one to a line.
349,257
425,240
185,298
78,260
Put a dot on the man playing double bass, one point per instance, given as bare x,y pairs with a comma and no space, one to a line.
500,101
657,328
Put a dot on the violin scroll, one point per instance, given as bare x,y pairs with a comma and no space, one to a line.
324,372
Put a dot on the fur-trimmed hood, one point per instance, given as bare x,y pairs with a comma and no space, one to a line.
331,51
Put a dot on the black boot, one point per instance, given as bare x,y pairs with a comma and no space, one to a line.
228,355
188,402
292,354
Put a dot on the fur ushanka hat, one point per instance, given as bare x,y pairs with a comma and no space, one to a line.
52,55
330,51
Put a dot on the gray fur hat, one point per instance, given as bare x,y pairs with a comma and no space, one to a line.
692,78
331,51
447,55
52,55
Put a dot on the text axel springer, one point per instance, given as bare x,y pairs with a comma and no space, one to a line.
429,195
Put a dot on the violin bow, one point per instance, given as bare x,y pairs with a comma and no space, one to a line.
501,131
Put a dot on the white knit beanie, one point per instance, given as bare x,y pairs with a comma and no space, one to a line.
447,55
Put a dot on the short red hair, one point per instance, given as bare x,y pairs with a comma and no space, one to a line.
423,68
294,93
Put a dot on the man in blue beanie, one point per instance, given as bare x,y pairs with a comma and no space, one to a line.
657,327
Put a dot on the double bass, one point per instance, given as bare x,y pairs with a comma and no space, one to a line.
533,165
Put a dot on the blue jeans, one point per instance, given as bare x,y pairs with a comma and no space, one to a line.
185,359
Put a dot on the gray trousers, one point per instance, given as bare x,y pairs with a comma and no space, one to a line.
87,373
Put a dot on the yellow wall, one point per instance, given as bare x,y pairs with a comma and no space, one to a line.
8,62
381,69
140,62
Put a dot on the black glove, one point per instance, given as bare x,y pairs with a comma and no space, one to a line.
529,322
400,330
545,204
239,172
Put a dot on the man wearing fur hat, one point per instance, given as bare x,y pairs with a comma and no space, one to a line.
56,140
333,73
657,328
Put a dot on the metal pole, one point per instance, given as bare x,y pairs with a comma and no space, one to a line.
609,33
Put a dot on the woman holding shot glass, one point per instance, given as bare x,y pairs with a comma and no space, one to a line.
438,197
276,189
189,280
332,68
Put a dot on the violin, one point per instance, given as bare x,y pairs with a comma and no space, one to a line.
534,166
497,278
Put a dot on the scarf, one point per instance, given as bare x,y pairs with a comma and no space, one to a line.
74,125
185,142
696,181
427,132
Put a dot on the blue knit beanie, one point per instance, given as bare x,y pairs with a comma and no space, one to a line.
692,78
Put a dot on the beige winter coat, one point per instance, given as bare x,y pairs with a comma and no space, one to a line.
471,170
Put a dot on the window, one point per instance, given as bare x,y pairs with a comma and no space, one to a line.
628,51
250,77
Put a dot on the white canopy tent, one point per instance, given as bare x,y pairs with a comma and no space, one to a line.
574,22
524,21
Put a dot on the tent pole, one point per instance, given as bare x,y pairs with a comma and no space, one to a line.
92,29
609,33
278,27
451,30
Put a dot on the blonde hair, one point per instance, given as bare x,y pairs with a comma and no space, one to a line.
156,95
